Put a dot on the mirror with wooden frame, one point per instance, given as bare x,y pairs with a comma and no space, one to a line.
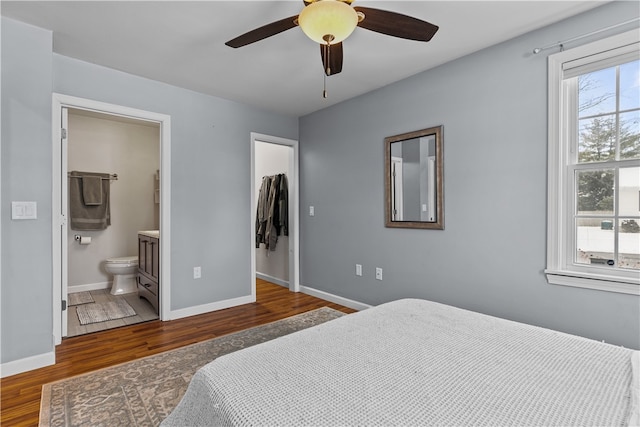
414,196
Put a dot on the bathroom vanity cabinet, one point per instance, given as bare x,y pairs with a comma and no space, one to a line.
149,267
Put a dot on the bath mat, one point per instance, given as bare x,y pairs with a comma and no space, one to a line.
79,298
103,311
144,391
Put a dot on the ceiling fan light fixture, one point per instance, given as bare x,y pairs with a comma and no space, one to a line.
328,21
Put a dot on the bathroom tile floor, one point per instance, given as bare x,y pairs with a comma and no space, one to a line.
144,312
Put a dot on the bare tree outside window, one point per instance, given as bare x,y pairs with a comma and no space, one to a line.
606,190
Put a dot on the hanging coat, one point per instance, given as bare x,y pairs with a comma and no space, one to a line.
272,213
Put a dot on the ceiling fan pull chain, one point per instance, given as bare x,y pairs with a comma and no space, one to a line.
324,90
327,55
328,50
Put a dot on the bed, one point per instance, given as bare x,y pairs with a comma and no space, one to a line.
414,362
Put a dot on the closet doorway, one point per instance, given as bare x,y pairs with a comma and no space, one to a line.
275,160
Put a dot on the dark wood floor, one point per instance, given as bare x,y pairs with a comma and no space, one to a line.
20,401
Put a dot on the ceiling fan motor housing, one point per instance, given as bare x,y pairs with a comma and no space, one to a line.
328,21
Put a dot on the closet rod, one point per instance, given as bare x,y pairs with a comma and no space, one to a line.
112,177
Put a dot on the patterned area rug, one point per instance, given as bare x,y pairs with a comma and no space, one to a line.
103,311
143,392
78,298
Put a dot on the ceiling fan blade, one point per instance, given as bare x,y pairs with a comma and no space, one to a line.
396,25
263,32
331,58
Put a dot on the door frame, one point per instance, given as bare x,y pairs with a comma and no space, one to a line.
59,197
397,207
294,210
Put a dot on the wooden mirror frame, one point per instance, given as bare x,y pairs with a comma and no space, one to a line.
438,224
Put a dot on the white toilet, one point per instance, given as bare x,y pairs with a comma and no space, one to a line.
124,271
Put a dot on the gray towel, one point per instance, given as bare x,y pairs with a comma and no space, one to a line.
92,217
92,190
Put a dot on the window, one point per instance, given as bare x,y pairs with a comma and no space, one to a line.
594,166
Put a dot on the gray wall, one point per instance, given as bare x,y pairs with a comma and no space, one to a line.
26,285
492,253
210,174
210,188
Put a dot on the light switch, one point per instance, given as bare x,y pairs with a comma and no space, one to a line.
24,210
312,211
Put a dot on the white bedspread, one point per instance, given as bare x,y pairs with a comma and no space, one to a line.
415,363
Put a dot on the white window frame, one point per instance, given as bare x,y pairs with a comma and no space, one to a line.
561,269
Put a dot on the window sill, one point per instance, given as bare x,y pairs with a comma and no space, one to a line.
570,278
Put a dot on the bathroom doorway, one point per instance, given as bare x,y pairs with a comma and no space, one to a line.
131,148
276,157
128,152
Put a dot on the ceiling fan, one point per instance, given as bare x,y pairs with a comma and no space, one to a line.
329,22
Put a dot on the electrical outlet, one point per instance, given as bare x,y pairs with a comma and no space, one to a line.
358,269
197,272
312,211
378,273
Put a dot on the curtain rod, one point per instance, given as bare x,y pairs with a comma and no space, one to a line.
113,177
540,49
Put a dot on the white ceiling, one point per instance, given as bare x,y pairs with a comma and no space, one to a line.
182,43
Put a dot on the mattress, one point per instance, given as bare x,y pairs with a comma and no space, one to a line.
415,362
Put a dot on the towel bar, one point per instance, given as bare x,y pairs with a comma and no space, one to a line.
112,177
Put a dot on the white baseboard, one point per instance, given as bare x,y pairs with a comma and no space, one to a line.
356,305
207,308
27,364
220,305
272,279
88,287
